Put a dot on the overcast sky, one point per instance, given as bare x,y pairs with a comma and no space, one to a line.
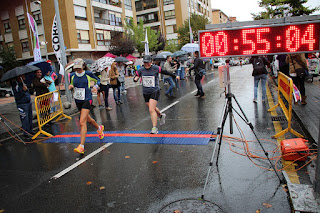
242,9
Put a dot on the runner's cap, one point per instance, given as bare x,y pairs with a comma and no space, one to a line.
147,58
78,63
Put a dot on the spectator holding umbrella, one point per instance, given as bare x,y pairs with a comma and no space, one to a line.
24,105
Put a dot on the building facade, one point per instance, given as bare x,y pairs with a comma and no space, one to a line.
219,17
89,25
167,16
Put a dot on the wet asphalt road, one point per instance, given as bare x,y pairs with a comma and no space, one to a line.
144,177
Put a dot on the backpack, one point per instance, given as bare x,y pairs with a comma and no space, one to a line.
258,66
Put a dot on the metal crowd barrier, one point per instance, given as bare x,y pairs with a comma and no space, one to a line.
48,107
285,96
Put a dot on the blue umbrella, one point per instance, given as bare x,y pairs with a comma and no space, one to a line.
42,65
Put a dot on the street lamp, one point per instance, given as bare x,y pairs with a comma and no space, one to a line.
44,34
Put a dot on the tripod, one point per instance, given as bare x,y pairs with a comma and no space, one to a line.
228,110
1,119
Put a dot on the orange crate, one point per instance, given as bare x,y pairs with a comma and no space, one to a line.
293,149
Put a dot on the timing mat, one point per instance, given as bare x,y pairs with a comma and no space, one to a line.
141,137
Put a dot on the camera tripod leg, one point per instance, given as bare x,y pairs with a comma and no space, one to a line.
12,131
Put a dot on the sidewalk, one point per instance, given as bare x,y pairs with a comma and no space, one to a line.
302,195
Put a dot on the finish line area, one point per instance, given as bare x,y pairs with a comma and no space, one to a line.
139,137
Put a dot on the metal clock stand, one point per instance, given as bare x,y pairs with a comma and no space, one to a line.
228,111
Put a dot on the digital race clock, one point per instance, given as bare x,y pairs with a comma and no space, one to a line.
260,40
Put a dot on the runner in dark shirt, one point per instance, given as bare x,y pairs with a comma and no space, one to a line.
151,90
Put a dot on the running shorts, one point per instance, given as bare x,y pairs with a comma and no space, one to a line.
155,96
84,105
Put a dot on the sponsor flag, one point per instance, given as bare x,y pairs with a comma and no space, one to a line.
191,34
36,42
56,45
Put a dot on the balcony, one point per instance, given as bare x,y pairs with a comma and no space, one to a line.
102,21
116,22
110,2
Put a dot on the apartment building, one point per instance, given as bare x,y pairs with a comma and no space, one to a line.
167,16
88,26
219,17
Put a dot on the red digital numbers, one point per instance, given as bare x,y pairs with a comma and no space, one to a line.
263,40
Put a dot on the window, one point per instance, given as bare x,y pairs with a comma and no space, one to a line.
146,4
101,1
170,29
21,22
83,36
80,12
37,17
7,27
115,19
169,14
127,4
25,46
103,38
166,2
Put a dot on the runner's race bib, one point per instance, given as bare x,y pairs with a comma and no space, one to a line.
148,81
79,93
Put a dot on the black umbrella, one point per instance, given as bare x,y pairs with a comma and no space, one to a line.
183,58
121,59
88,61
18,71
1,67
160,57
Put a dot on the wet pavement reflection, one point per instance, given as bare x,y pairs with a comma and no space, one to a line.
145,177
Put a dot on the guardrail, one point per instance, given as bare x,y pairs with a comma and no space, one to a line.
48,107
285,96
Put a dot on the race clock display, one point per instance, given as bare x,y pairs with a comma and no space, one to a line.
260,40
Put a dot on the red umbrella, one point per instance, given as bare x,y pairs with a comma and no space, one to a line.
130,57
110,55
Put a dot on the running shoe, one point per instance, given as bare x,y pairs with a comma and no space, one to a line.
101,107
162,119
109,108
154,130
100,132
79,149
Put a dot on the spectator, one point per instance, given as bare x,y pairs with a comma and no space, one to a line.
50,81
114,82
121,78
259,73
198,65
24,105
297,66
40,85
171,69
283,66
105,86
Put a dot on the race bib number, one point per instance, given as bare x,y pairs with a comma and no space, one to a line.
80,93
148,81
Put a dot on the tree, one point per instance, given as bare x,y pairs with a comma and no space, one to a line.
282,8
8,58
137,34
121,44
171,46
198,22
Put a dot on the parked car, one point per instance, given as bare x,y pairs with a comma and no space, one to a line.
5,91
218,63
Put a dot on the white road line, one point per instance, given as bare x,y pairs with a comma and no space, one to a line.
65,171
171,105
